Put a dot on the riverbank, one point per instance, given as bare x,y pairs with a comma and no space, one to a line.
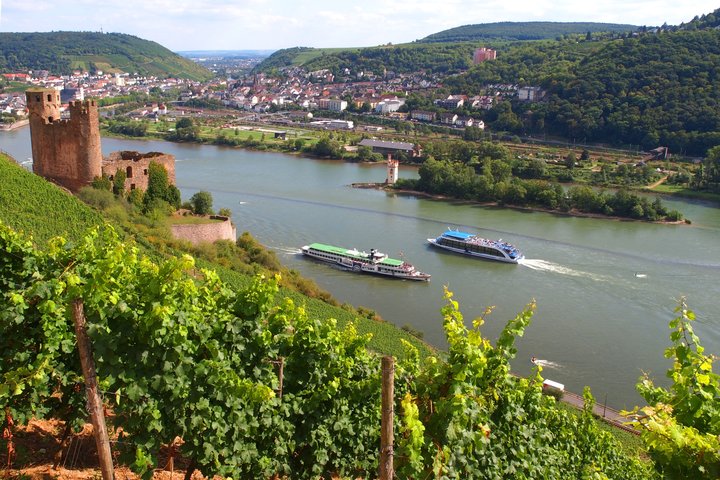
300,142
446,198
12,126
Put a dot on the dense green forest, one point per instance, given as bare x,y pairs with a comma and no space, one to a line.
523,31
63,52
650,90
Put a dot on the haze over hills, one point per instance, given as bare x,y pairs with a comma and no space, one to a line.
63,52
226,53
522,31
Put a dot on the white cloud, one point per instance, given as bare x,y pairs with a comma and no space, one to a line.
268,24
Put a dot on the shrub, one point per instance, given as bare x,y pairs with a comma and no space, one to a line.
98,198
101,183
202,203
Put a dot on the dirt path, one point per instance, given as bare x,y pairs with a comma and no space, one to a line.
659,182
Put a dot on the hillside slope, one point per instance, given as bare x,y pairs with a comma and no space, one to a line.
522,31
37,207
63,52
650,90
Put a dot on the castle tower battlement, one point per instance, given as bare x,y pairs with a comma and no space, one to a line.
80,109
66,151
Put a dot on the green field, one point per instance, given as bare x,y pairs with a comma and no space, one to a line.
682,191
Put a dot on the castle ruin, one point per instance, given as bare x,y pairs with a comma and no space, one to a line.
68,151
135,165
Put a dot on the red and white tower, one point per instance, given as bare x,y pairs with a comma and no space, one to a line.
392,170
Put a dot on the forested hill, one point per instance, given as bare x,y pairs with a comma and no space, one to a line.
523,31
62,52
443,58
447,52
650,90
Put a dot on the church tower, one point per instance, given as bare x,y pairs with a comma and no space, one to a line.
65,151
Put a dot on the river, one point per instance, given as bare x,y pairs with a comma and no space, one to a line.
605,289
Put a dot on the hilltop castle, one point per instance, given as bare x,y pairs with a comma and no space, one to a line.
68,151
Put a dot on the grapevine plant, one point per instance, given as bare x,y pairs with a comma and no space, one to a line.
681,424
468,417
179,354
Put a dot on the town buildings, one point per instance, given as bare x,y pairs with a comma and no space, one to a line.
295,91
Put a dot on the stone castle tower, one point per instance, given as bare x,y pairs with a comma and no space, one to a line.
66,151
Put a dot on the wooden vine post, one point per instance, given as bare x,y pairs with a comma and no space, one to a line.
387,471
94,404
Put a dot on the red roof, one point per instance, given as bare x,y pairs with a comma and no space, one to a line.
11,76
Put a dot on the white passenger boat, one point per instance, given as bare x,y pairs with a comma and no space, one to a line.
373,262
470,244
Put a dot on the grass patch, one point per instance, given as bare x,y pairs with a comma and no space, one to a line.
681,191
192,220
304,57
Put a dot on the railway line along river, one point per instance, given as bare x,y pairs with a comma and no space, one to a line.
605,289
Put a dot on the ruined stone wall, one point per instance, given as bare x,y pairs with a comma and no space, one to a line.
135,165
66,151
206,232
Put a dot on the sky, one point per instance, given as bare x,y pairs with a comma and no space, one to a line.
184,25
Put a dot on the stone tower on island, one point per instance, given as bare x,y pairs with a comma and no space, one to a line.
392,170
66,151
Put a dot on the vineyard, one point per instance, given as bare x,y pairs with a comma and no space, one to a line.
32,204
179,354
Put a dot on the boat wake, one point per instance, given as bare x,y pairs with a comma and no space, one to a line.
287,250
547,364
545,266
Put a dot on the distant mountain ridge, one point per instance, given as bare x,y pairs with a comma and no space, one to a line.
522,31
62,52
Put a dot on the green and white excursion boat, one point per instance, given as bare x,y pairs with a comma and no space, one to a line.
374,262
